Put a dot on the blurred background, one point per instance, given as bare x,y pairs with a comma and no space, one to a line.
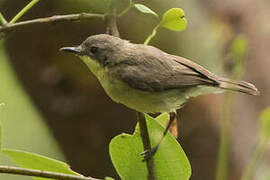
52,105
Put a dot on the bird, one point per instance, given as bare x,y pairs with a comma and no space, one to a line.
147,79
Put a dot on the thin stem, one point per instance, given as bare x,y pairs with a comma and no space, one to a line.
256,157
23,11
147,146
153,34
2,19
52,19
225,143
130,5
39,173
224,147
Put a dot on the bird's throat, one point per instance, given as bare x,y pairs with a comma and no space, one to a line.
93,65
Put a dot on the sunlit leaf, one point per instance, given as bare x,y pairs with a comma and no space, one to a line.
35,161
239,46
170,159
265,123
163,119
174,19
109,178
144,9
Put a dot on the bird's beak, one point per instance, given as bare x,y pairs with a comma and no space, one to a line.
75,50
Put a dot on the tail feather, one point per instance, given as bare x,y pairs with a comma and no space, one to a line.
240,86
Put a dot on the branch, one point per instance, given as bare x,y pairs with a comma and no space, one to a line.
23,11
147,146
110,19
39,173
52,19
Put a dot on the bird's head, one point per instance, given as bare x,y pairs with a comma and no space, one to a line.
98,51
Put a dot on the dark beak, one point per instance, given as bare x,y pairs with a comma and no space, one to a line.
74,50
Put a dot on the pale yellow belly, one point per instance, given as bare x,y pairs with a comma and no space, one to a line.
143,101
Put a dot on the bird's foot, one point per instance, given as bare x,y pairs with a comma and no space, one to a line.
149,153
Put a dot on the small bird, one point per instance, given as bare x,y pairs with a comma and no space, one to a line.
146,79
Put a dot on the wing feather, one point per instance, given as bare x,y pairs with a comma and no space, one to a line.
154,70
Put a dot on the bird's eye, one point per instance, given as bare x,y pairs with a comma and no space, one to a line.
94,49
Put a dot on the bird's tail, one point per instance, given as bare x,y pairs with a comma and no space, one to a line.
240,86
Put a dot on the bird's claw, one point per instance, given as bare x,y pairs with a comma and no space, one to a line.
149,153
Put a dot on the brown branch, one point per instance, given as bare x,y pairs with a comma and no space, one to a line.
39,173
147,146
53,19
110,19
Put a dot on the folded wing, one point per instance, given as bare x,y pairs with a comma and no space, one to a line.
154,70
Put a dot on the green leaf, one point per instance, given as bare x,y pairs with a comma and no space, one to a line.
144,9
35,161
109,178
174,19
163,119
265,123
170,160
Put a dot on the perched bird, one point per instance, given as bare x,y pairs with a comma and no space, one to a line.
146,79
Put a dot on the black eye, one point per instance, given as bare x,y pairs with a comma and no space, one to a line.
94,49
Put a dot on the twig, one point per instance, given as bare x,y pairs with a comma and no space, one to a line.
153,34
39,173
2,19
52,19
23,11
110,19
130,5
147,146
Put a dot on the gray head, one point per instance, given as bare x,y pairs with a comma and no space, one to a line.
102,48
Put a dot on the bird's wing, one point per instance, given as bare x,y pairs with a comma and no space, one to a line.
158,71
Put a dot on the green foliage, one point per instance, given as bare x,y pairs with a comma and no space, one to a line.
170,160
163,119
35,161
16,132
239,47
17,112
109,178
144,9
174,19
265,123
